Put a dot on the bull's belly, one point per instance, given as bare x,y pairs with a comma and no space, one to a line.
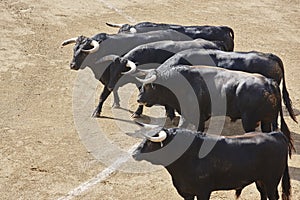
210,185
232,114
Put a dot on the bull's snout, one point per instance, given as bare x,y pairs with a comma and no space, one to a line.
141,102
74,66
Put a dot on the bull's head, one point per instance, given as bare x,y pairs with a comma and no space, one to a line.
83,47
154,140
123,28
118,67
149,93
163,146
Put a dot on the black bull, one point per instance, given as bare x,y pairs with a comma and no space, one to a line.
212,33
266,64
232,163
150,53
209,91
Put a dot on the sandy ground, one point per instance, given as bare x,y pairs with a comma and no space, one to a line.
42,150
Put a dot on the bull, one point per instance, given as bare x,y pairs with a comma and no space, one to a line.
88,50
233,163
252,98
155,52
266,64
212,33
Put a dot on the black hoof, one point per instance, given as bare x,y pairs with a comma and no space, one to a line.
96,114
116,105
135,115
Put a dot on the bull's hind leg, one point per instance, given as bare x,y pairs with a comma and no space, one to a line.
262,190
271,188
204,196
249,123
273,195
170,112
201,126
189,198
116,103
266,127
186,196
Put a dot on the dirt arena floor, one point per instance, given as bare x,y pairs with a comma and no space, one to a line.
44,152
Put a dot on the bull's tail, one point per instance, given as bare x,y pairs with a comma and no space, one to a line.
286,184
284,128
285,95
114,25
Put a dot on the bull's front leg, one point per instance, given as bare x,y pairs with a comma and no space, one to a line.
105,93
138,112
249,123
116,103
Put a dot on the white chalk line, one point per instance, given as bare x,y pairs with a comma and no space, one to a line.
114,166
99,177
120,12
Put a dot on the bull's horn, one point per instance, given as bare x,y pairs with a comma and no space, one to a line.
148,80
69,41
132,30
114,25
132,67
107,58
143,72
95,48
162,135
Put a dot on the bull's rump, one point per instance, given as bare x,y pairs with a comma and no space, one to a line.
235,162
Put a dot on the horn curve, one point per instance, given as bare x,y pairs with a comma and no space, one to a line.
162,135
148,80
107,58
132,67
69,41
114,25
95,48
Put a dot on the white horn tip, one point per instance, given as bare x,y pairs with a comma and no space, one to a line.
162,135
133,30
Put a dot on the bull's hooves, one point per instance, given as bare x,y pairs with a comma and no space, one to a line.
134,115
116,106
96,115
